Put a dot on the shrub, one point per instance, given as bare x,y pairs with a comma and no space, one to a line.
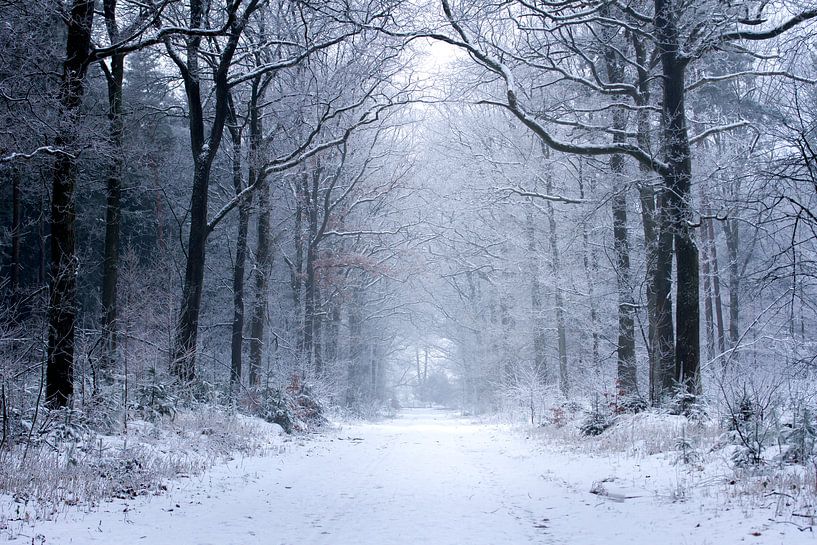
632,404
294,408
800,438
155,401
597,421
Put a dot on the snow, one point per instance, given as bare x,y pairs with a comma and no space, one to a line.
426,477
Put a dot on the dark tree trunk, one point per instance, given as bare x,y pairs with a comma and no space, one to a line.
626,368
204,146
188,325
309,280
731,228
183,364
263,261
237,337
263,255
16,236
62,306
115,78
676,199
627,377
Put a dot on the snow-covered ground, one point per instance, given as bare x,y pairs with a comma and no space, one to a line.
427,477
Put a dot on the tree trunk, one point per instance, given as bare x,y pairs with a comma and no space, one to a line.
110,273
564,384
731,227
16,236
237,337
317,331
713,306
417,361
627,377
62,306
262,270
709,319
664,342
716,284
263,257
647,198
626,367
333,332
204,150
357,375
309,280
678,179
301,195
589,270
539,335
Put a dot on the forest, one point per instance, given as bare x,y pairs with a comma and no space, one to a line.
560,213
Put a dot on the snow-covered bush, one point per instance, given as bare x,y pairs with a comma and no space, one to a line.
294,408
272,405
597,421
749,426
687,453
800,438
155,400
632,404
687,404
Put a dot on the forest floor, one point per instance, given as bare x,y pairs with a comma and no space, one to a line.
426,477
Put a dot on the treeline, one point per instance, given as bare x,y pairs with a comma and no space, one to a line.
603,195
199,194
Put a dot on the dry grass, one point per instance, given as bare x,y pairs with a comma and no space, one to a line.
42,479
787,492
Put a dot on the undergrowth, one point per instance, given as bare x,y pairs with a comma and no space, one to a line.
69,464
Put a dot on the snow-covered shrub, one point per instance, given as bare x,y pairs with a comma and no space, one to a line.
271,404
685,403
687,453
155,400
749,454
597,421
800,438
749,426
557,416
632,404
305,405
294,408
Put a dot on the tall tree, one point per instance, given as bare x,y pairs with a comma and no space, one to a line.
205,142
62,306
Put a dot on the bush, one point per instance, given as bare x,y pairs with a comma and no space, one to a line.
632,404
685,403
295,408
747,427
155,401
687,454
800,438
597,421
273,407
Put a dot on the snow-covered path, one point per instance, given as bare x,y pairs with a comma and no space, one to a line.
425,478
